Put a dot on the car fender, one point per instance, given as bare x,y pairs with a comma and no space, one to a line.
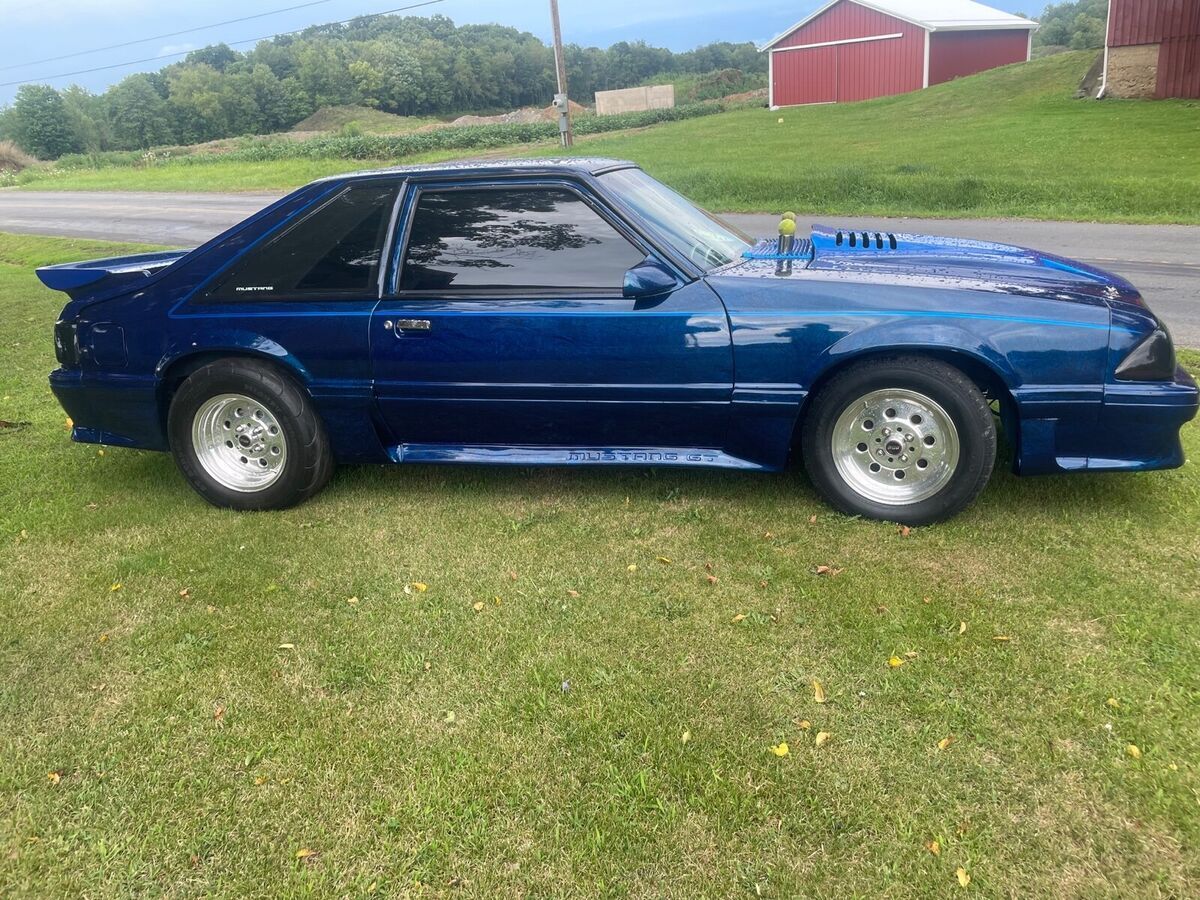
212,343
945,337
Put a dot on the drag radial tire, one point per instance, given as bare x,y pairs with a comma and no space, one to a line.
907,439
247,437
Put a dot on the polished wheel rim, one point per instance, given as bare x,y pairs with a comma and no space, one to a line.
239,442
895,446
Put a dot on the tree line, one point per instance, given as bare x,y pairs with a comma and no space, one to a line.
1077,25
404,65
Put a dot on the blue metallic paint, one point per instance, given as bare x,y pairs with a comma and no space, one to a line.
715,372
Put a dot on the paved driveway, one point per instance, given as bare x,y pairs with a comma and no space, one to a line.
1162,260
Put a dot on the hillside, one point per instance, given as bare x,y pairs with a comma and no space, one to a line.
1010,142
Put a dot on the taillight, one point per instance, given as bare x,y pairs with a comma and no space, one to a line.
66,343
1151,360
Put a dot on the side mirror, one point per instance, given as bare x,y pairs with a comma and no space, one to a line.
649,278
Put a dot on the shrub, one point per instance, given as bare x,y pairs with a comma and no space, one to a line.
13,158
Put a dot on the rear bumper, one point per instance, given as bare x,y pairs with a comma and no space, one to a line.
118,410
1133,428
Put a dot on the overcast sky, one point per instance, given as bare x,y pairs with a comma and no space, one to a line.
31,31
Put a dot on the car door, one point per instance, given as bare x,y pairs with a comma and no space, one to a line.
506,324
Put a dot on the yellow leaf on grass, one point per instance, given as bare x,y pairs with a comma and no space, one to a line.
1113,703
260,780
478,607
353,601
632,567
711,579
1002,638
54,777
1133,750
895,662
104,638
963,878
818,691
911,654
945,742
905,531
305,853
70,421
497,600
934,847
449,718
287,646
218,713
185,593
665,560
116,586
685,737
780,749
828,570
418,587
822,737
962,627
738,618
804,724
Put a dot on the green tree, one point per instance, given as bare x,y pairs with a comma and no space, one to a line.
1080,25
138,114
42,125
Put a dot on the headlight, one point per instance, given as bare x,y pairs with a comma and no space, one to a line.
66,342
1151,360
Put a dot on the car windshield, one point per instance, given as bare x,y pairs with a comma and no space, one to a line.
699,235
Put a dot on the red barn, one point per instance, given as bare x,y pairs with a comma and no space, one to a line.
1153,49
859,49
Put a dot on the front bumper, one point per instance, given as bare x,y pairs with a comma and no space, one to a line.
1125,426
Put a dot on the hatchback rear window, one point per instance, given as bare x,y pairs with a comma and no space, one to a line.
334,251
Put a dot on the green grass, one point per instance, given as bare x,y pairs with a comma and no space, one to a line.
371,121
201,739
1010,142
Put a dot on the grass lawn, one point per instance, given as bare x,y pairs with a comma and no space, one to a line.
1010,142
189,698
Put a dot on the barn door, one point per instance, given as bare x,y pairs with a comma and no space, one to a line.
805,76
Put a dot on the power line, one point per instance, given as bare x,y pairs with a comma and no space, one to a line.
134,62
159,37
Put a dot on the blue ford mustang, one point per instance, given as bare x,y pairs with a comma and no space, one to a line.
579,312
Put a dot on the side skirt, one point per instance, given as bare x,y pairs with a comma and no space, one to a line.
568,456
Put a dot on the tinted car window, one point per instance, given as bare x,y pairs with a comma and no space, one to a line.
334,250
513,238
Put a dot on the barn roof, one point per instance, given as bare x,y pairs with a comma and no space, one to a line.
933,15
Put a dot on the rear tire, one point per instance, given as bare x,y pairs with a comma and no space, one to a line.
247,437
904,439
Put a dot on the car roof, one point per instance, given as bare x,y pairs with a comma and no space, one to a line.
580,165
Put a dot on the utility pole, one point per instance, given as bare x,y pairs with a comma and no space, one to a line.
560,67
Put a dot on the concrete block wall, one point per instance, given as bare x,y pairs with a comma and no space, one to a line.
658,96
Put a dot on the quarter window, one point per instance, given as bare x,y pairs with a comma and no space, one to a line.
334,251
513,239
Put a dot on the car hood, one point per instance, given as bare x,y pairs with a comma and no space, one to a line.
898,257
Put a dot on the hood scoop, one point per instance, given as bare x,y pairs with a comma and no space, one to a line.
867,240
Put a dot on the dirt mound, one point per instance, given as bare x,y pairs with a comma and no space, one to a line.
524,116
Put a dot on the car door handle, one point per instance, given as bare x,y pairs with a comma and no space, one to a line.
407,325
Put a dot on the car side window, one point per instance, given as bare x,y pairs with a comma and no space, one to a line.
335,250
510,239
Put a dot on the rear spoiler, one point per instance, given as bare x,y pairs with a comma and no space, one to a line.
93,274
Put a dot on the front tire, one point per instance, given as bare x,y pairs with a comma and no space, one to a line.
906,439
247,437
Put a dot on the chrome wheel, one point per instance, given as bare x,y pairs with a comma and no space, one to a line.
895,446
239,442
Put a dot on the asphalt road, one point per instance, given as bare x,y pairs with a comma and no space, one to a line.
1162,260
